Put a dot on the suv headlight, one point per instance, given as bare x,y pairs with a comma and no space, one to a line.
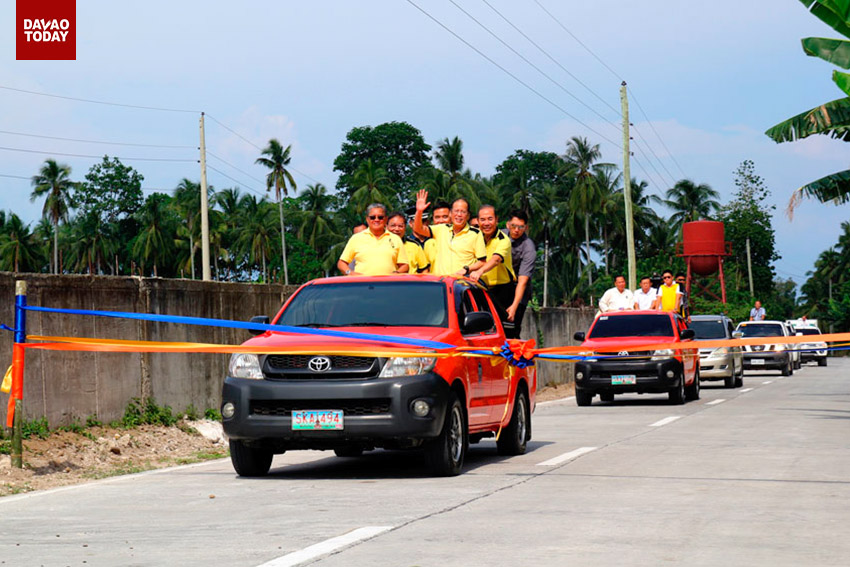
778,348
720,351
662,354
244,365
407,366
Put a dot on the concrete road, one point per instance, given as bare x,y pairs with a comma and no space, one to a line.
753,476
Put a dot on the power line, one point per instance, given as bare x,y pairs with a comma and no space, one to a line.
645,172
514,77
245,173
92,101
248,187
660,139
15,176
535,67
671,176
652,165
555,61
250,143
96,157
95,141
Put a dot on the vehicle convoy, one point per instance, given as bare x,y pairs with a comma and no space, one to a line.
720,363
609,369
349,404
767,357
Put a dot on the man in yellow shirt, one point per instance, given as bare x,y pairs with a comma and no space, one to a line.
498,271
460,248
376,250
417,262
671,295
440,214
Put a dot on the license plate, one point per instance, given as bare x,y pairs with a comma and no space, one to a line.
757,361
622,379
313,420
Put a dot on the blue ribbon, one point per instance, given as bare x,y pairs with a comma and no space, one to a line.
508,355
420,343
7,328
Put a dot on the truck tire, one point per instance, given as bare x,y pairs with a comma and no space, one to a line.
606,396
692,391
513,439
822,361
445,454
583,398
788,370
250,461
677,393
346,452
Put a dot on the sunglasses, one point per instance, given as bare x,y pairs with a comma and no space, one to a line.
517,226
376,217
668,277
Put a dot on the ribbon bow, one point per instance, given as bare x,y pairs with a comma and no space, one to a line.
518,353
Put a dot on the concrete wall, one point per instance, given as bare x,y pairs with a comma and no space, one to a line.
64,386
67,386
554,326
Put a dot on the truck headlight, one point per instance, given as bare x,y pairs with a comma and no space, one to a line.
779,348
407,366
589,354
244,365
662,354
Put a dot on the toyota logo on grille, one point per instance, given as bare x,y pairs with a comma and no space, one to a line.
623,353
319,364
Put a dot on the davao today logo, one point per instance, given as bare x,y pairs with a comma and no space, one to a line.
46,29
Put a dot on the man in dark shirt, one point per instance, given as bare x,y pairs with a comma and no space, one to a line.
523,257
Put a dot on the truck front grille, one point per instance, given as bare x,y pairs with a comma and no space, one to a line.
284,408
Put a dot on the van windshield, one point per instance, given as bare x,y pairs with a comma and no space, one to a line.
708,329
632,326
368,304
761,330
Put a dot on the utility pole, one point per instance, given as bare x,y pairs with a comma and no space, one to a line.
205,220
750,268
546,271
627,190
831,325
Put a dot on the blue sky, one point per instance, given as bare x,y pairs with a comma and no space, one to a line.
709,77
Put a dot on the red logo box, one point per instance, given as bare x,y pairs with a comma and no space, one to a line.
46,29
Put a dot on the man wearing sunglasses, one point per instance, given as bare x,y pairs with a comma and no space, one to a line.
376,250
671,294
460,248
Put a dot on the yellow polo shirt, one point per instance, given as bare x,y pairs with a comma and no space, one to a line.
430,248
503,273
375,255
454,251
416,254
668,296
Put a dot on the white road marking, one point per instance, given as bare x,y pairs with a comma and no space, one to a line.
666,420
768,382
745,390
327,546
566,457
715,402
553,402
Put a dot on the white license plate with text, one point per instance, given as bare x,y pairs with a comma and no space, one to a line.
317,420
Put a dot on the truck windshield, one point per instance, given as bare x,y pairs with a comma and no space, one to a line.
808,330
632,326
708,329
372,304
755,330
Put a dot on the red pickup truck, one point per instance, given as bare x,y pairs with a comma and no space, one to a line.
354,403
609,369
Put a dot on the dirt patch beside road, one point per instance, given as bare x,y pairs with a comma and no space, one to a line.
65,457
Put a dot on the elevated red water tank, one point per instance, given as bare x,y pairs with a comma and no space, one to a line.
703,241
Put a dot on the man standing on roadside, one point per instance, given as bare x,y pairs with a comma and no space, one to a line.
460,248
376,250
757,313
523,257
618,298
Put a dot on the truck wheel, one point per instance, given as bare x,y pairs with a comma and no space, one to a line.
822,361
514,438
606,397
692,391
348,451
798,365
677,393
788,370
445,453
584,398
249,461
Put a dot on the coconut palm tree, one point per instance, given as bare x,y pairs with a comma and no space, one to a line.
372,186
690,202
155,242
18,251
278,176
449,156
54,181
585,196
316,222
254,234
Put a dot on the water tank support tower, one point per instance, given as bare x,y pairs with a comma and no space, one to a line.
703,247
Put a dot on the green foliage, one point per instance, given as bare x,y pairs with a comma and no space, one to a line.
191,413
92,421
213,414
395,147
112,191
146,412
74,427
303,262
37,427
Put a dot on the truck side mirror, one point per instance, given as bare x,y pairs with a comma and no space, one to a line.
579,336
259,319
477,322
737,335
687,334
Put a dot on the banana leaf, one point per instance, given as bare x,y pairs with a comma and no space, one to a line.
834,13
842,80
835,188
836,51
831,118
